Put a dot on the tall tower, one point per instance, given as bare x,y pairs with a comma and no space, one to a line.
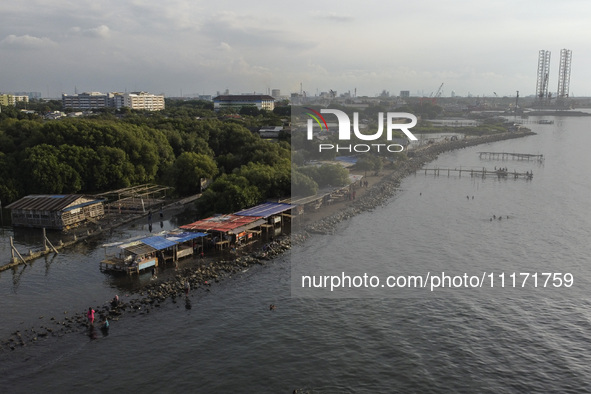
564,73
543,72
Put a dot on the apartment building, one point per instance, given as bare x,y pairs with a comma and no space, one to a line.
97,100
141,100
12,99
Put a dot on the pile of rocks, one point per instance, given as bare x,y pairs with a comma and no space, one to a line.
200,277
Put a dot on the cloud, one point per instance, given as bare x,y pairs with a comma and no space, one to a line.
336,18
242,33
101,31
26,42
224,46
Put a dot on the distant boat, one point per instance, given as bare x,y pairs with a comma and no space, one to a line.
545,121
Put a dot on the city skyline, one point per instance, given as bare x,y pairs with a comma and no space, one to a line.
187,48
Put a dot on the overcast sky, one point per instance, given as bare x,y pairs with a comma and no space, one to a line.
189,46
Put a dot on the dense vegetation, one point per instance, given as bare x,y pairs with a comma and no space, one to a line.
176,147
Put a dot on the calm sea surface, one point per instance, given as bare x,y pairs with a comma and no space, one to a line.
483,339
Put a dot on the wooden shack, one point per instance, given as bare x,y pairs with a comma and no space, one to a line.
59,212
138,255
225,228
272,212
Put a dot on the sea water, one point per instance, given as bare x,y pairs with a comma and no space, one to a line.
501,339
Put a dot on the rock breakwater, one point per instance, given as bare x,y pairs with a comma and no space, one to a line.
200,277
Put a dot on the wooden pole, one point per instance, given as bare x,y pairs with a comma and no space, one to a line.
47,241
13,250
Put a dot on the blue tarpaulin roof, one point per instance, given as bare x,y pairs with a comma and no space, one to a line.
347,159
83,204
265,210
158,242
183,237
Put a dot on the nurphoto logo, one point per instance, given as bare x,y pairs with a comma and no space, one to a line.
393,120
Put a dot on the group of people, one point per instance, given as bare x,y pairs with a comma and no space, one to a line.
499,217
104,323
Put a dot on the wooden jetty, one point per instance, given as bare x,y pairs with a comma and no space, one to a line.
506,156
18,258
501,173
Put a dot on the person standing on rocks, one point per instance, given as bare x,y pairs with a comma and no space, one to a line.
187,287
115,302
90,316
105,323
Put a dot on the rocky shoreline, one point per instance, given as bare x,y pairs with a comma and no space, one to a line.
203,275
151,296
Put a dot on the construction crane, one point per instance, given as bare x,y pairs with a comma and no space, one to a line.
438,94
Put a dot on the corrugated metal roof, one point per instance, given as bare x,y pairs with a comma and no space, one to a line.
265,210
186,236
158,242
44,202
226,223
140,249
91,202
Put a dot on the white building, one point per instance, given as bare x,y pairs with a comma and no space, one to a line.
12,99
140,100
97,100
261,101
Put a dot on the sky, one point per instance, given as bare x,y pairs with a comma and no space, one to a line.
188,47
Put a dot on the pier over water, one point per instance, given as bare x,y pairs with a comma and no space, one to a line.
506,156
500,173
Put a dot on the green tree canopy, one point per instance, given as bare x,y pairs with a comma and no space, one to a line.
327,174
45,173
188,169
302,185
228,193
272,181
367,162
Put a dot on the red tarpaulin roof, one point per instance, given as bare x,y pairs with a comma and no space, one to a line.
227,223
